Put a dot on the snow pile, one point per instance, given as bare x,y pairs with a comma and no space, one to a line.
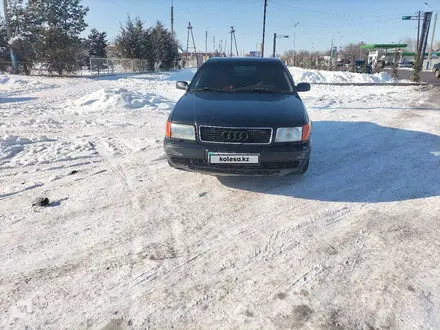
8,81
316,76
10,145
11,85
41,150
110,99
302,75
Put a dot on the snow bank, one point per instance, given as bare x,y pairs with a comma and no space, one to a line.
10,145
302,75
12,85
41,150
316,76
6,80
110,99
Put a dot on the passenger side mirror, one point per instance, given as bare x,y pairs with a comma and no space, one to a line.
303,87
182,85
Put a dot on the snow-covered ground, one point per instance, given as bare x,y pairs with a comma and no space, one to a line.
322,76
129,243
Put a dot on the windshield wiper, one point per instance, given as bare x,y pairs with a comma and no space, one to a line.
265,90
207,89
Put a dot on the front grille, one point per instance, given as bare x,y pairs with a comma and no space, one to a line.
233,135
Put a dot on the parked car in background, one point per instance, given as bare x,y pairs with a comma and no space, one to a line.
240,116
363,67
436,70
405,64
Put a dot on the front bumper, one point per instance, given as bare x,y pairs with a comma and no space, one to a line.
274,159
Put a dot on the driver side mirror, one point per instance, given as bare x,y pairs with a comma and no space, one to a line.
303,87
182,85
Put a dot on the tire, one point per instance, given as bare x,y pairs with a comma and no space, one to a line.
437,73
305,167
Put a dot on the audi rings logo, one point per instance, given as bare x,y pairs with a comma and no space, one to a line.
235,136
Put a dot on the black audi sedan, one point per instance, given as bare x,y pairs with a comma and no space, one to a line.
240,116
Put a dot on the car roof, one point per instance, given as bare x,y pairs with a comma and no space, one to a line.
243,60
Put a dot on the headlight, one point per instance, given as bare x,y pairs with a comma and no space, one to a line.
178,131
289,134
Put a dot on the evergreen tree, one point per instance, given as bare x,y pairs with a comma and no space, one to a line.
154,45
4,48
165,47
24,26
59,45
418,64
96,45
131,41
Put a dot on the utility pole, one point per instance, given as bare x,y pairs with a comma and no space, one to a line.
421,41
274,44
235,40
432,43
172,18
264,28
331,56
294,40
294,34
190,31
232,29
9,34
418,36
275,36
206,40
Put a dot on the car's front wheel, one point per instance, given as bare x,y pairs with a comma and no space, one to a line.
437,73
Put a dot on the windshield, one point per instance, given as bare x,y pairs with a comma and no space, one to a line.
242,77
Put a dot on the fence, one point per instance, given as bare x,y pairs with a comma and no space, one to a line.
97,67
111,66
38,69
106,66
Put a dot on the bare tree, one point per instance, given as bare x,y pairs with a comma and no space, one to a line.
288,57
411,42
351,52
301,58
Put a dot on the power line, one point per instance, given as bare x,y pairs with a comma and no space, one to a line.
345,15
218,6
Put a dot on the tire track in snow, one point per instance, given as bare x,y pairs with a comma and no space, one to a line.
245,233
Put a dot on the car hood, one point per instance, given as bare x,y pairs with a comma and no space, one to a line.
239,109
